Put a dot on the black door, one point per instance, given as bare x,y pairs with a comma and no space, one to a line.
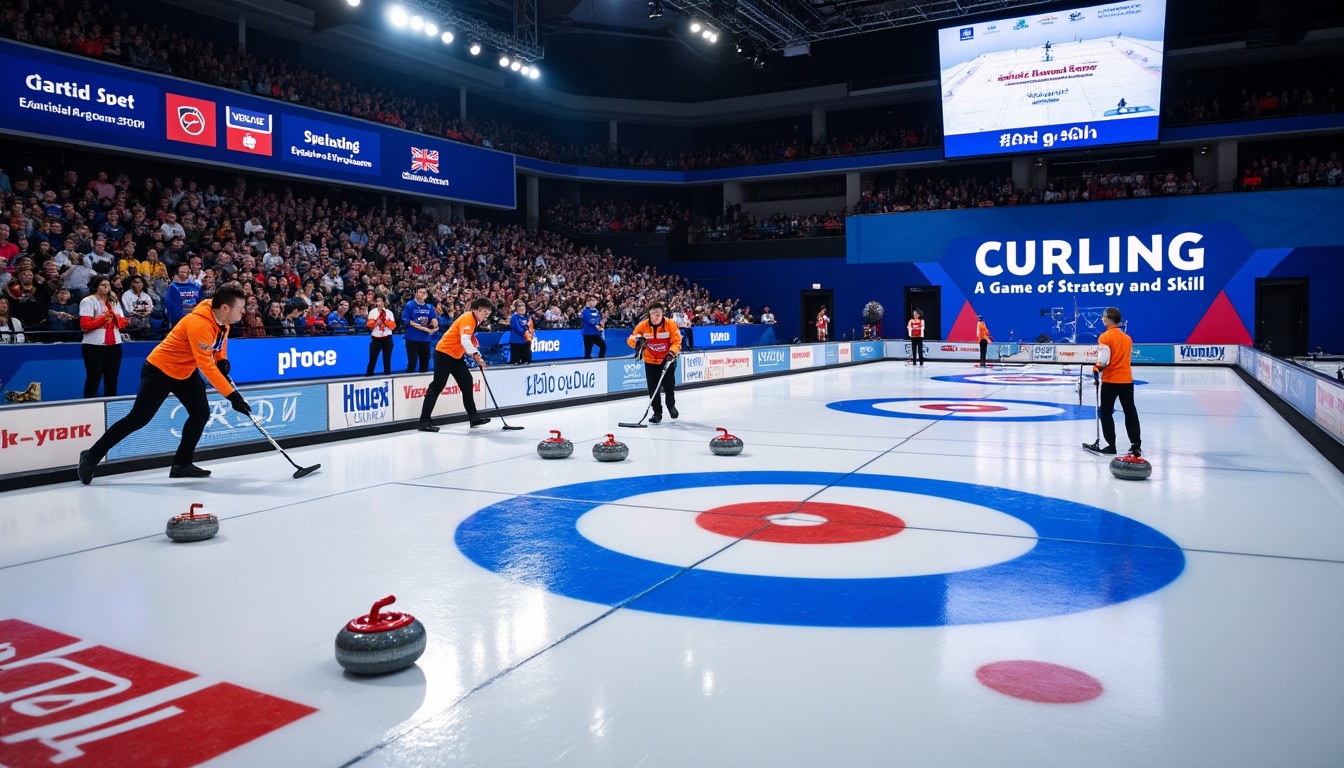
812,302
928,300
1281,315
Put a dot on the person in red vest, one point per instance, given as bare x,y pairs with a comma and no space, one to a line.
823,325
982,333
915,331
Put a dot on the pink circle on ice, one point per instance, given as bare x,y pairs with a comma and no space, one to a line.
963,407
1039,681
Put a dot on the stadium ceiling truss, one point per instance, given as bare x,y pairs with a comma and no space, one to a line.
773,26
524,43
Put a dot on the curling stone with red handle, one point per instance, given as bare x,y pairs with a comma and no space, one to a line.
725,444
611,450
555,447
192,527
380,642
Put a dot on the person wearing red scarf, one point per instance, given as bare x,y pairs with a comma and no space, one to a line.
101,319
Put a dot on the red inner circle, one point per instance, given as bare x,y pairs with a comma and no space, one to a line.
1040,681
963,407
844,524
1020,377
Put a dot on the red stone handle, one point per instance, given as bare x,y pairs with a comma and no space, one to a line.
194,507
557,437
378,606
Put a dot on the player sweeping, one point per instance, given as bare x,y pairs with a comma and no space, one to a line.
1117,381
662,344
198,342
450,359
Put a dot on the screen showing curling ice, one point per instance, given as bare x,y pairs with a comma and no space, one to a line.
1085,77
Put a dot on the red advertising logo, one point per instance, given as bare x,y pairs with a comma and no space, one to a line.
95,706
191,120
246,130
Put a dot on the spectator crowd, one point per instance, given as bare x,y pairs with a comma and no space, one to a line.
307,265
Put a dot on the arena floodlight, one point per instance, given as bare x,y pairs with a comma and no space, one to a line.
515,65
475,49
417,23
714,38
525,70
695,27
352,3
706,34
431,29
447,38
396,16
503,61
535,73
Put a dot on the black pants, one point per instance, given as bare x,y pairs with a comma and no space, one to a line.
669,389
687,337
379,345
155,387
1125,392
446,365
590,341
917,351
520,354
101,364
984,350
417,352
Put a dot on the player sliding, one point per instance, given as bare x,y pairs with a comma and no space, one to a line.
1117,380
662,344
198,342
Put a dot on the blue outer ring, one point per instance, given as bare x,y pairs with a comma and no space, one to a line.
1084,558
869,408
970,378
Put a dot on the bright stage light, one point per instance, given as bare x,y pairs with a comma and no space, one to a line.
447,38
475,49
396,15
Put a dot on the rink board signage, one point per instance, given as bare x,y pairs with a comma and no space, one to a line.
525,386
772,359
408,396
284,411
365,403
51,436
626,375
61,97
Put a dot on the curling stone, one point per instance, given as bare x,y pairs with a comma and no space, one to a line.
380,642
725,444
192,527
555,447
1131,468
611,450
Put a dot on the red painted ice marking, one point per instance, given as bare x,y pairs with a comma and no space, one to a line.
96,706
1024,378
1039,681
963,407
841,523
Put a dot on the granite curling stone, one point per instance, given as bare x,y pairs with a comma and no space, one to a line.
380,642
611,450
192,527
555,447
1131,468
725,444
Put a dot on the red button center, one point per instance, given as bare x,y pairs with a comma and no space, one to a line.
788,522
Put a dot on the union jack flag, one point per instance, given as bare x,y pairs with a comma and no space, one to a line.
424,160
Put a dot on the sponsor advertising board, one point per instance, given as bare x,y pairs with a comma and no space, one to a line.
1204,354
284,411
525,386
627,375
43,437
59,97
691,368
867,350
845,352
771,359
1329,409
801,357
408,395
715,336
364,403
